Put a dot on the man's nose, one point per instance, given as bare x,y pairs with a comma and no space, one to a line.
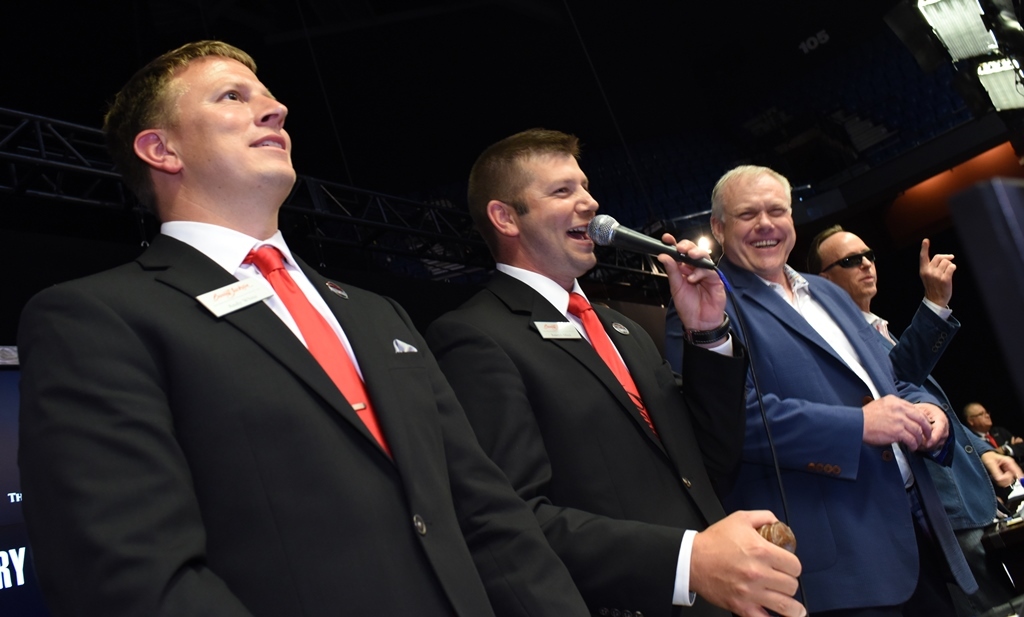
274,114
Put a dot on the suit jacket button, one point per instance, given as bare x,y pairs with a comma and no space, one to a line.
887,455
687,483
616,612
603,611
968,448
419,524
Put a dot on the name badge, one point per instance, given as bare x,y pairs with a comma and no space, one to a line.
557,329
230,298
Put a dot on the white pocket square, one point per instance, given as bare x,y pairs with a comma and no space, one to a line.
403,347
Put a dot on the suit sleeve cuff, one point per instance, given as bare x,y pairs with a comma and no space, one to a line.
942,311
681,595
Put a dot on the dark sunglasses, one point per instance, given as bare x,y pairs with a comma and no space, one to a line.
853,261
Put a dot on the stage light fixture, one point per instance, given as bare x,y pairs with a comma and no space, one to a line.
1002,80
959,26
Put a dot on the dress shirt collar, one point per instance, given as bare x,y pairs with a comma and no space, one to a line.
227,247
552,291
797,283
873,319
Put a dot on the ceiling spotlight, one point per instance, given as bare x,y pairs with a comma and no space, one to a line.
958,24
1002,79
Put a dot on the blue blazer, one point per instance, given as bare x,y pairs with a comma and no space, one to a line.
847,503
964,486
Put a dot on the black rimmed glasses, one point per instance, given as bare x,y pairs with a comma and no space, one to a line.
853,261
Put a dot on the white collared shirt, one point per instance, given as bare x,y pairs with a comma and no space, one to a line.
559,298
229,248
819,319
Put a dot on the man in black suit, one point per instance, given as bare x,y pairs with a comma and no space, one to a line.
620,469
185,449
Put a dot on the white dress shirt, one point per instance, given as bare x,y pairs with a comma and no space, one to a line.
229,248
559,298
819,319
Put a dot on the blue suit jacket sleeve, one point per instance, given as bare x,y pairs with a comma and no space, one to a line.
922,344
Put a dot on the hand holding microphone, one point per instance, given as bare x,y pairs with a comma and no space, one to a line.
606,231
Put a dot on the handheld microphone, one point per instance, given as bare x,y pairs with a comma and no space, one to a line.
606,231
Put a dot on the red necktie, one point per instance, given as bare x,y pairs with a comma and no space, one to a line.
321,340
579,307
991,440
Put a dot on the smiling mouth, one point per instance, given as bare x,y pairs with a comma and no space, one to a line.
578,233
269,143
764,244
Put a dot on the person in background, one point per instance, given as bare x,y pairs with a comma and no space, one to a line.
980,421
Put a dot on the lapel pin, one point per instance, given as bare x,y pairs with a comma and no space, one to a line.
338,291
621,329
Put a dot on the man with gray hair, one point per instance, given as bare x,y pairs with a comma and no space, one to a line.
849,437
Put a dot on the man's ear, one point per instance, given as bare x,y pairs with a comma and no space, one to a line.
151,146
503,218
716,229
825,275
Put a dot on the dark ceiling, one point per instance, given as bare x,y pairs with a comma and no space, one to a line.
396,95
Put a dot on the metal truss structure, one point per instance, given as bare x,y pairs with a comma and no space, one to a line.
41,158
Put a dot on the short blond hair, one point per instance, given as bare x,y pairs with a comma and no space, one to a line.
142,104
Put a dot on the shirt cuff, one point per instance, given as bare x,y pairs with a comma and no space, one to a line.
726,350
942,312
681,595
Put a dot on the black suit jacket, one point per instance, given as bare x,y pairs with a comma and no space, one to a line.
612,499
174,463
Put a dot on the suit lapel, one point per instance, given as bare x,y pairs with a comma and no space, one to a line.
862,337
369,344
750,286
644,378
521,299
189,271
858,333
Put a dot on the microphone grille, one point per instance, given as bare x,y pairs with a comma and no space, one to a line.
601,229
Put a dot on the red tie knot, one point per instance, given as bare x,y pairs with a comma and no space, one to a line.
578,305
267,258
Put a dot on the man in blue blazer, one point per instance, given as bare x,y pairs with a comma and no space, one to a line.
965,485
849,437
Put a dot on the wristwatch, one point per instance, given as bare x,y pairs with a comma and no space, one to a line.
706,337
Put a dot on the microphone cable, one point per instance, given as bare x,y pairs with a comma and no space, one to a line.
731,296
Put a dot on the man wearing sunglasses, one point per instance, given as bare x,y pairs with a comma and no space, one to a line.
963,486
